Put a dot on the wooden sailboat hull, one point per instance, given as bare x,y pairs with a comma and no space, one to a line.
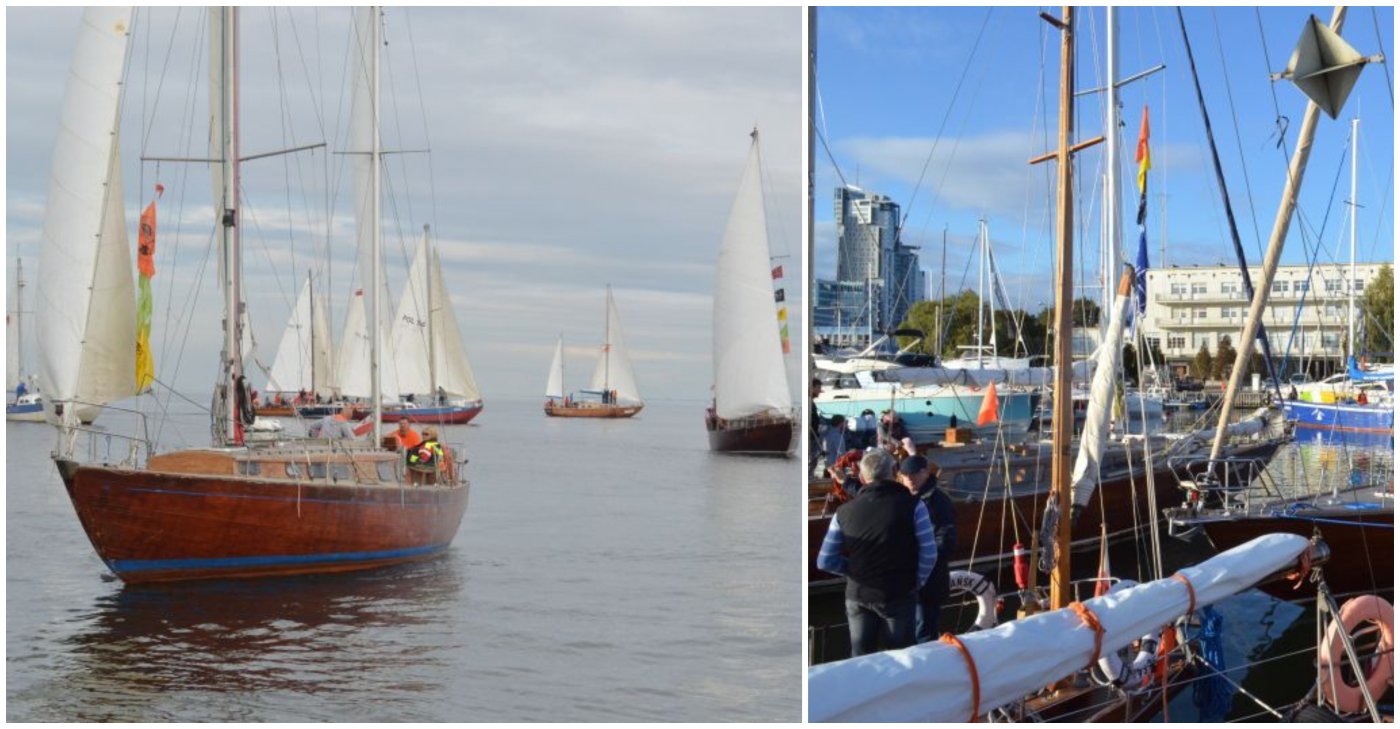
1362,544
994,528
765,437
446,415
154,526
590,410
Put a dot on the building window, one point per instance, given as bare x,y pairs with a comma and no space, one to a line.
1228,312
1198,289
1333,286
1279,287
1200,314
1299,286
1358,285
1331,340
1176,342
1178,289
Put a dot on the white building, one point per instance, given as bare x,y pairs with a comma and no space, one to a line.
1188,307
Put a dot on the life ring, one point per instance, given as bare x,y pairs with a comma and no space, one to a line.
1136,676
971,583
1345,697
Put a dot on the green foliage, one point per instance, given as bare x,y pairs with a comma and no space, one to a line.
1224,360
1201,365
1378,311
961,309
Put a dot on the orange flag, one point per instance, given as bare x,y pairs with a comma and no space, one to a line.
988,413
146,240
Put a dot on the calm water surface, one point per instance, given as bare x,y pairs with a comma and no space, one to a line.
605,571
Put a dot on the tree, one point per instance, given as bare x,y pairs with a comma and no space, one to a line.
1378,311
960,319
1200,366
1224,359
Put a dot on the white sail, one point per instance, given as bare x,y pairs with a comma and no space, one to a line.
323,351
454,372
748,358
291,369
12,375
353,375
614,368
86,302
426,341
1110,355
930,682
554,386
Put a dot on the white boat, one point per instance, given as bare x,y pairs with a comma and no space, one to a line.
752,410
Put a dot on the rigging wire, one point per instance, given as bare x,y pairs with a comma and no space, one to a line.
1239,143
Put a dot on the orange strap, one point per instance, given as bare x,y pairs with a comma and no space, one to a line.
1304,568
1092,621
1190,589
953,640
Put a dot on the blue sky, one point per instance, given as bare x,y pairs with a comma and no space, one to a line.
886,77
571,148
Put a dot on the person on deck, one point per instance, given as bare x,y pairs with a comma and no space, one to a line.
20,390
425,461
406,436
834,439
882,543
916,475
814,423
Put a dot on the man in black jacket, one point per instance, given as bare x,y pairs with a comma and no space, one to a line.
915,474
882,542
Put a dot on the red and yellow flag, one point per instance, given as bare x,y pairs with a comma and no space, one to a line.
146,264
1144,157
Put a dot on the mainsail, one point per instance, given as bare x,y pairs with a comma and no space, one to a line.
87,301
426,342
614,369
353,373
750,378
554,387
303,359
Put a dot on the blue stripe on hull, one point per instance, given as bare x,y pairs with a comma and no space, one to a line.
1361,418
128,566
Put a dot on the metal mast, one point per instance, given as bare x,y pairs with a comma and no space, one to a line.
231,258
376,270
1351,277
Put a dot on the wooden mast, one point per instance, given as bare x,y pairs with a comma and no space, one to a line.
1062,415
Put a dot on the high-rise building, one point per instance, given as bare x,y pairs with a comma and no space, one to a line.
871,261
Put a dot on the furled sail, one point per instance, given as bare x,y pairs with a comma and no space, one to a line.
750,378
86,297
614,368
426,341
554,387
1110,355
930,682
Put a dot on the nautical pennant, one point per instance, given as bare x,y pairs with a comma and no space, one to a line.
1144,159
146,264
778,296
778,272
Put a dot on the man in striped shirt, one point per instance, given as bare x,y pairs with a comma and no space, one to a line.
882,542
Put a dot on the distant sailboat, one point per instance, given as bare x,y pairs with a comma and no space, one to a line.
613,384
752,410
304,361
427,346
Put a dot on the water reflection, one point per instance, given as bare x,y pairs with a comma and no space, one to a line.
291,636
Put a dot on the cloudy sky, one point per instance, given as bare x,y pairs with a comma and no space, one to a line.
570,148
888,78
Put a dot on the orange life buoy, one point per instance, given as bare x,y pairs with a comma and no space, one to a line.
1345,697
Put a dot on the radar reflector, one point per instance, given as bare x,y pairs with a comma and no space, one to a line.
1325,67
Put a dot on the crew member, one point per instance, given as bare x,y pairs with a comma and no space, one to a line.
917,476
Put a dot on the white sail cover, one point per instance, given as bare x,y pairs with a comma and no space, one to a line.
1110,355
426,330
86,299
750,377
614,368
930,682
303,359
554,386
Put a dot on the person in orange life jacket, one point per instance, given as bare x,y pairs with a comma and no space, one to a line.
407,437
882,542
916,475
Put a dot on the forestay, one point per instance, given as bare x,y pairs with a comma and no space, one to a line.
750,378
86,298
930,682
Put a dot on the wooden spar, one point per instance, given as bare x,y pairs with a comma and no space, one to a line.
1062,415
1291,187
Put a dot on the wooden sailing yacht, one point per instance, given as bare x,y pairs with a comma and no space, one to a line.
232,509
752,410
613,384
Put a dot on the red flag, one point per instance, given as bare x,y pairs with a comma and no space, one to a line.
988,413
146,240
778,272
